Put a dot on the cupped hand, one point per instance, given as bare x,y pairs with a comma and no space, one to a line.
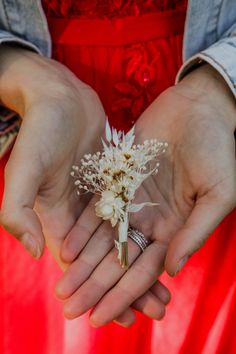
96,269
196,189
62,118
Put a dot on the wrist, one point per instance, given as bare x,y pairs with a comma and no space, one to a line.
206,86
27,78
12,65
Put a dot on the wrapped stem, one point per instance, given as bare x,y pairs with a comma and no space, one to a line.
115,174
123,242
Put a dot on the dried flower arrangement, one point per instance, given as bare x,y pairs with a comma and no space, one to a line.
115,174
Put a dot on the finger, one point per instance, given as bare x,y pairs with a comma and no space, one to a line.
95,250
161,291
126,319
80,234
106,274
151,304
146,269
204,218
125,292
22,180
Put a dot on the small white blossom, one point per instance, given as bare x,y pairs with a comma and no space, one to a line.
110,207
116,173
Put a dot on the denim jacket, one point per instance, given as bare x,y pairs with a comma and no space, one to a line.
209,36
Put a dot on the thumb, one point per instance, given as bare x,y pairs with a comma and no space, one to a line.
22,181
204,218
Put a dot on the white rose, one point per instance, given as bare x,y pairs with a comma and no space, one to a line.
109,207
104,210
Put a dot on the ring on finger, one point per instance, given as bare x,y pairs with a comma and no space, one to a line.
139,238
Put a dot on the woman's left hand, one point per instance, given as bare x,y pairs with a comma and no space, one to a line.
196,189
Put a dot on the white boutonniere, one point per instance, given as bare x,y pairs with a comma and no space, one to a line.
115,174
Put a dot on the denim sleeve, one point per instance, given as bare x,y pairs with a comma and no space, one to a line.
221,55
9,120
8,37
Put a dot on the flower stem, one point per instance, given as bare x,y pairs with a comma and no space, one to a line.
123,242
124,255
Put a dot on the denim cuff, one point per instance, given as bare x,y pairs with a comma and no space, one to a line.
10,38
221,55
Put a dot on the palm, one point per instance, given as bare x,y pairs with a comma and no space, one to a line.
195,171
56,131
57,204
58,208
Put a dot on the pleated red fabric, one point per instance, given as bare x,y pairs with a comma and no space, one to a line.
129,52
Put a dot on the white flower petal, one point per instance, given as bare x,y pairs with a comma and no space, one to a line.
115,137
106,148
108,131
130,134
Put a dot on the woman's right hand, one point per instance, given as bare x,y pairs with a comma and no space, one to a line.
62,119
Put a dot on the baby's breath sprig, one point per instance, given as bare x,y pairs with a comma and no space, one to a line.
115,174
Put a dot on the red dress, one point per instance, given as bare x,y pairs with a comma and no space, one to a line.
129,52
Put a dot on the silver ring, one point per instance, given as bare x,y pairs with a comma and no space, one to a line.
139,238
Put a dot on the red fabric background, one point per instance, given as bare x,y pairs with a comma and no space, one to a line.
201,316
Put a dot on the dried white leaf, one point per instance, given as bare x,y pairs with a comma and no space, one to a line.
130,134
115,137
134,208
115,174
105,147
108,131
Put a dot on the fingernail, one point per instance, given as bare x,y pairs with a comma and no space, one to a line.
94,322
123,324
181,264
60,291
31,245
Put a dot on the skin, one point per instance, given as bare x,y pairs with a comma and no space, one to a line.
196,189
62,119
